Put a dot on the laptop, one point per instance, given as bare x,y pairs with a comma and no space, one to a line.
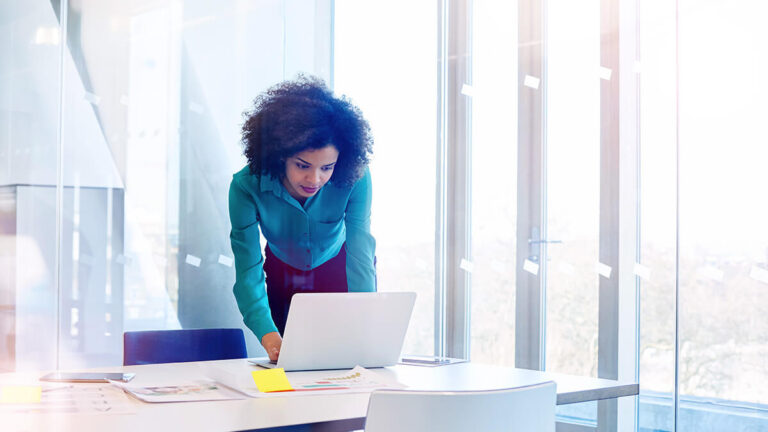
344,330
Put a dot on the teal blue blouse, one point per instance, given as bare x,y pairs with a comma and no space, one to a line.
303,237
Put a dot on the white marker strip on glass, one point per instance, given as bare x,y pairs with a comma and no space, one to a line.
193,260
123,259
603,270
642,271
225,260
467,266
605,73
532,82
759,274
531,267
467,90
47,36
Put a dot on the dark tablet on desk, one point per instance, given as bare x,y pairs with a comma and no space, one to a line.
87,377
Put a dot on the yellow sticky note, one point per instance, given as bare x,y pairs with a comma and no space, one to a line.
20,394
271,380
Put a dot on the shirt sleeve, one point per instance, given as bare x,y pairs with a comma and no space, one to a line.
250,290
361,246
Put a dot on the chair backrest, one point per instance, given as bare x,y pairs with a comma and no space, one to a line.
170,346
530,408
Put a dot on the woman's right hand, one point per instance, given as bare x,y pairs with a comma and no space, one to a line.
271,343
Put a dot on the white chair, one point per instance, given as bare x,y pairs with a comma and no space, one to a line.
524,409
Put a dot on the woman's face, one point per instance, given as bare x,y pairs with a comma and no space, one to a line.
308,171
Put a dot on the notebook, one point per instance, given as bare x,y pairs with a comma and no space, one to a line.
344,330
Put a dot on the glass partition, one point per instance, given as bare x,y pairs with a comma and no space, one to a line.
30,84
149,139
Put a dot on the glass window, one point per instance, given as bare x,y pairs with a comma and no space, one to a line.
572,193
723,212
494,181
722,235
391,75
657,215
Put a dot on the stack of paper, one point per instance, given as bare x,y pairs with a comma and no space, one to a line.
192,391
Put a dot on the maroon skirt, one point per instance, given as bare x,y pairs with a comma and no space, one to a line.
283,281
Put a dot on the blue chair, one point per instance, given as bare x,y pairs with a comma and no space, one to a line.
171,346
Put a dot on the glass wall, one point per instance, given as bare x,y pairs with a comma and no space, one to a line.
702,96
707,115
494,181
30,43
723,347
572,194
148,138
658,197
391,76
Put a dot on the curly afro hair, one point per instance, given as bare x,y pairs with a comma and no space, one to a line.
302,114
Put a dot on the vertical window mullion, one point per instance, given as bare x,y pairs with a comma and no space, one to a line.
531,81
440,183
454,174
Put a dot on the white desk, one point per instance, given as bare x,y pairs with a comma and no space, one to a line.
255,413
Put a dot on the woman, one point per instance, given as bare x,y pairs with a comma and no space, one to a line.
308,188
